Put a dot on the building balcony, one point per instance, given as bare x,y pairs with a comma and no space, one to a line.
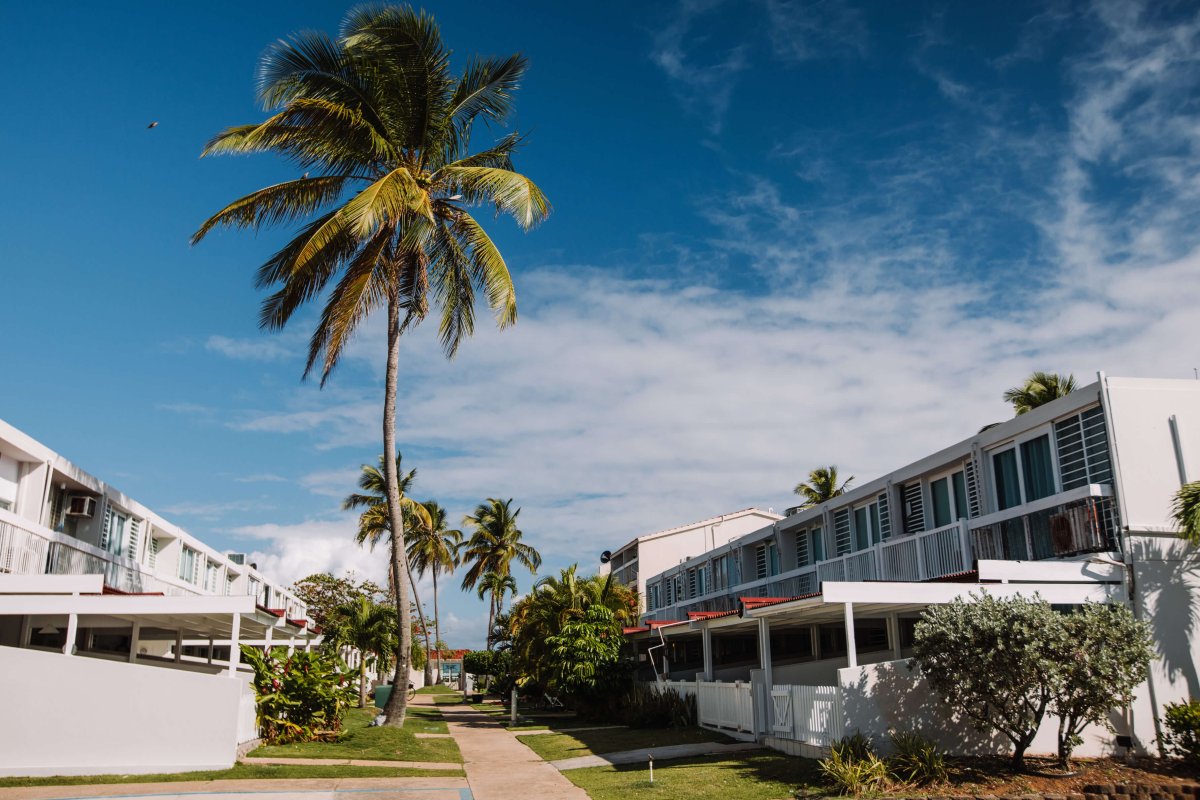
1081,520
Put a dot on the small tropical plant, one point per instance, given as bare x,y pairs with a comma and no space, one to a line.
916,760
853,768
369,628
300,696
1185,511
1182,737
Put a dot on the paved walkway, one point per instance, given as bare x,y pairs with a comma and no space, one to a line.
659,753
354,762
448,788
541,731
498,766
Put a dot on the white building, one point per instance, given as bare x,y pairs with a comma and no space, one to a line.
649,555
110,614
1070,501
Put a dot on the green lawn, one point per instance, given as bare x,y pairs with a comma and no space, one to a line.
745,776
382,744
553,746
238,772
437,688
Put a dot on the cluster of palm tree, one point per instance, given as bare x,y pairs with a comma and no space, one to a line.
493,547
379,129
822,485
552,604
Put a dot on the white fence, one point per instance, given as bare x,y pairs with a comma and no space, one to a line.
810,714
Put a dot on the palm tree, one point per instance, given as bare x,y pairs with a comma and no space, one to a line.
370,628
377,116
433,548
375,522
494,544
494,586
822,485
1038,389
1185,511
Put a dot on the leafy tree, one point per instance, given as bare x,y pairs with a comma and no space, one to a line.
494,544
300,695
1038,389
586,650
1185,511
375,522
370,628
376,115
433,548
322,594
990,660
822,485
1103,653
494,586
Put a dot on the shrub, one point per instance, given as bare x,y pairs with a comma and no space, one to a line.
847,773
854,747
916,759
1182,738
300,696
648,707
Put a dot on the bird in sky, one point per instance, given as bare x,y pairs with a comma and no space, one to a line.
152,125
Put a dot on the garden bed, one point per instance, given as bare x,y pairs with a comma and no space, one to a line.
359,741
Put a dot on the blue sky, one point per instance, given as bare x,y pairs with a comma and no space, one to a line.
785,234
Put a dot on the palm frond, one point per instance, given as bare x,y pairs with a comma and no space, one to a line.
511,192
282,202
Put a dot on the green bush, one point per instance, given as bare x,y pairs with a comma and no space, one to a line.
847,774
1182,738
300,696
648,707
916,760
854,747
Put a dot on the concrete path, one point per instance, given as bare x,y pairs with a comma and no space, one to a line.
354,762
448,788
659,753
498,766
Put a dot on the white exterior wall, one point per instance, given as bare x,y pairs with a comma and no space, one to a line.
884,697
86,716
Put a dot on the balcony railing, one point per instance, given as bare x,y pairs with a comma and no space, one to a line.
1087,525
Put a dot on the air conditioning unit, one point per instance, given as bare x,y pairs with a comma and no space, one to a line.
81,505
237,558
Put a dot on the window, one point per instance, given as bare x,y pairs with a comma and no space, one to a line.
187,564
868,528
701,582
212,576
1024,479
949,497
816,543
652,597
720,572
766,559
1038,468
114,536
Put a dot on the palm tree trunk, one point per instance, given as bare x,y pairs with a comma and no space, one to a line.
491,616
362,679
437,628
397,704
424,627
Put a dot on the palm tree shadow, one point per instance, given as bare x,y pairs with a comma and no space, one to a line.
1167,587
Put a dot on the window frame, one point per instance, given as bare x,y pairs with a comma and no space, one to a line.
1014,445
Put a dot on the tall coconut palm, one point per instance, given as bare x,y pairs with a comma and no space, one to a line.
369,628
495,543
822,485
494,586
375,522
1185,511
383,127
433,548
1038,389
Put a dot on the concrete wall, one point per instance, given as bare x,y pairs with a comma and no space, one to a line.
85,716
884,697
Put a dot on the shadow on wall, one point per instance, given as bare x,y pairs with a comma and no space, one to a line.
1168,587
880,698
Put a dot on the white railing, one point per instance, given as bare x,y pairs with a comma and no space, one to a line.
682,688
946,550
725,705
810,714
901,559
21,551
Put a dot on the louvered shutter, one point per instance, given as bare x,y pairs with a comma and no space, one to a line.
152,561
760,561
803,557
135,530
914,509
842,540
107,526
971,474
885,517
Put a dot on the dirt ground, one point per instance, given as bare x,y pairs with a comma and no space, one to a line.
994,776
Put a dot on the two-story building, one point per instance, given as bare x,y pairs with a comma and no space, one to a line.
1070,501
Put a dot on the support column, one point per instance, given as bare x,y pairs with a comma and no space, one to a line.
292,645
893,631
235,655
133,641
851,648
178,645
267,646
706,649
764,652
72,633
210,649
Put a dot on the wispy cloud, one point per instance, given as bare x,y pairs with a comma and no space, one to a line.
215,510
257,349
802,30
703,84
261,477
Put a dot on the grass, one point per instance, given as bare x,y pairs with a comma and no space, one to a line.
437,688
377,744
554,746
747,776
237,772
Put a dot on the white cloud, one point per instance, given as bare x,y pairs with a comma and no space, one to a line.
258,349
261,477
802,30
704,86
215,510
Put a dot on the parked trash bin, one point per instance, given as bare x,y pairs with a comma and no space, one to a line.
382,693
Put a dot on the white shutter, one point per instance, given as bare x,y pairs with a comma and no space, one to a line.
914,509
803,558
885,518
104,529
971,476
135,529
152,558
842,540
